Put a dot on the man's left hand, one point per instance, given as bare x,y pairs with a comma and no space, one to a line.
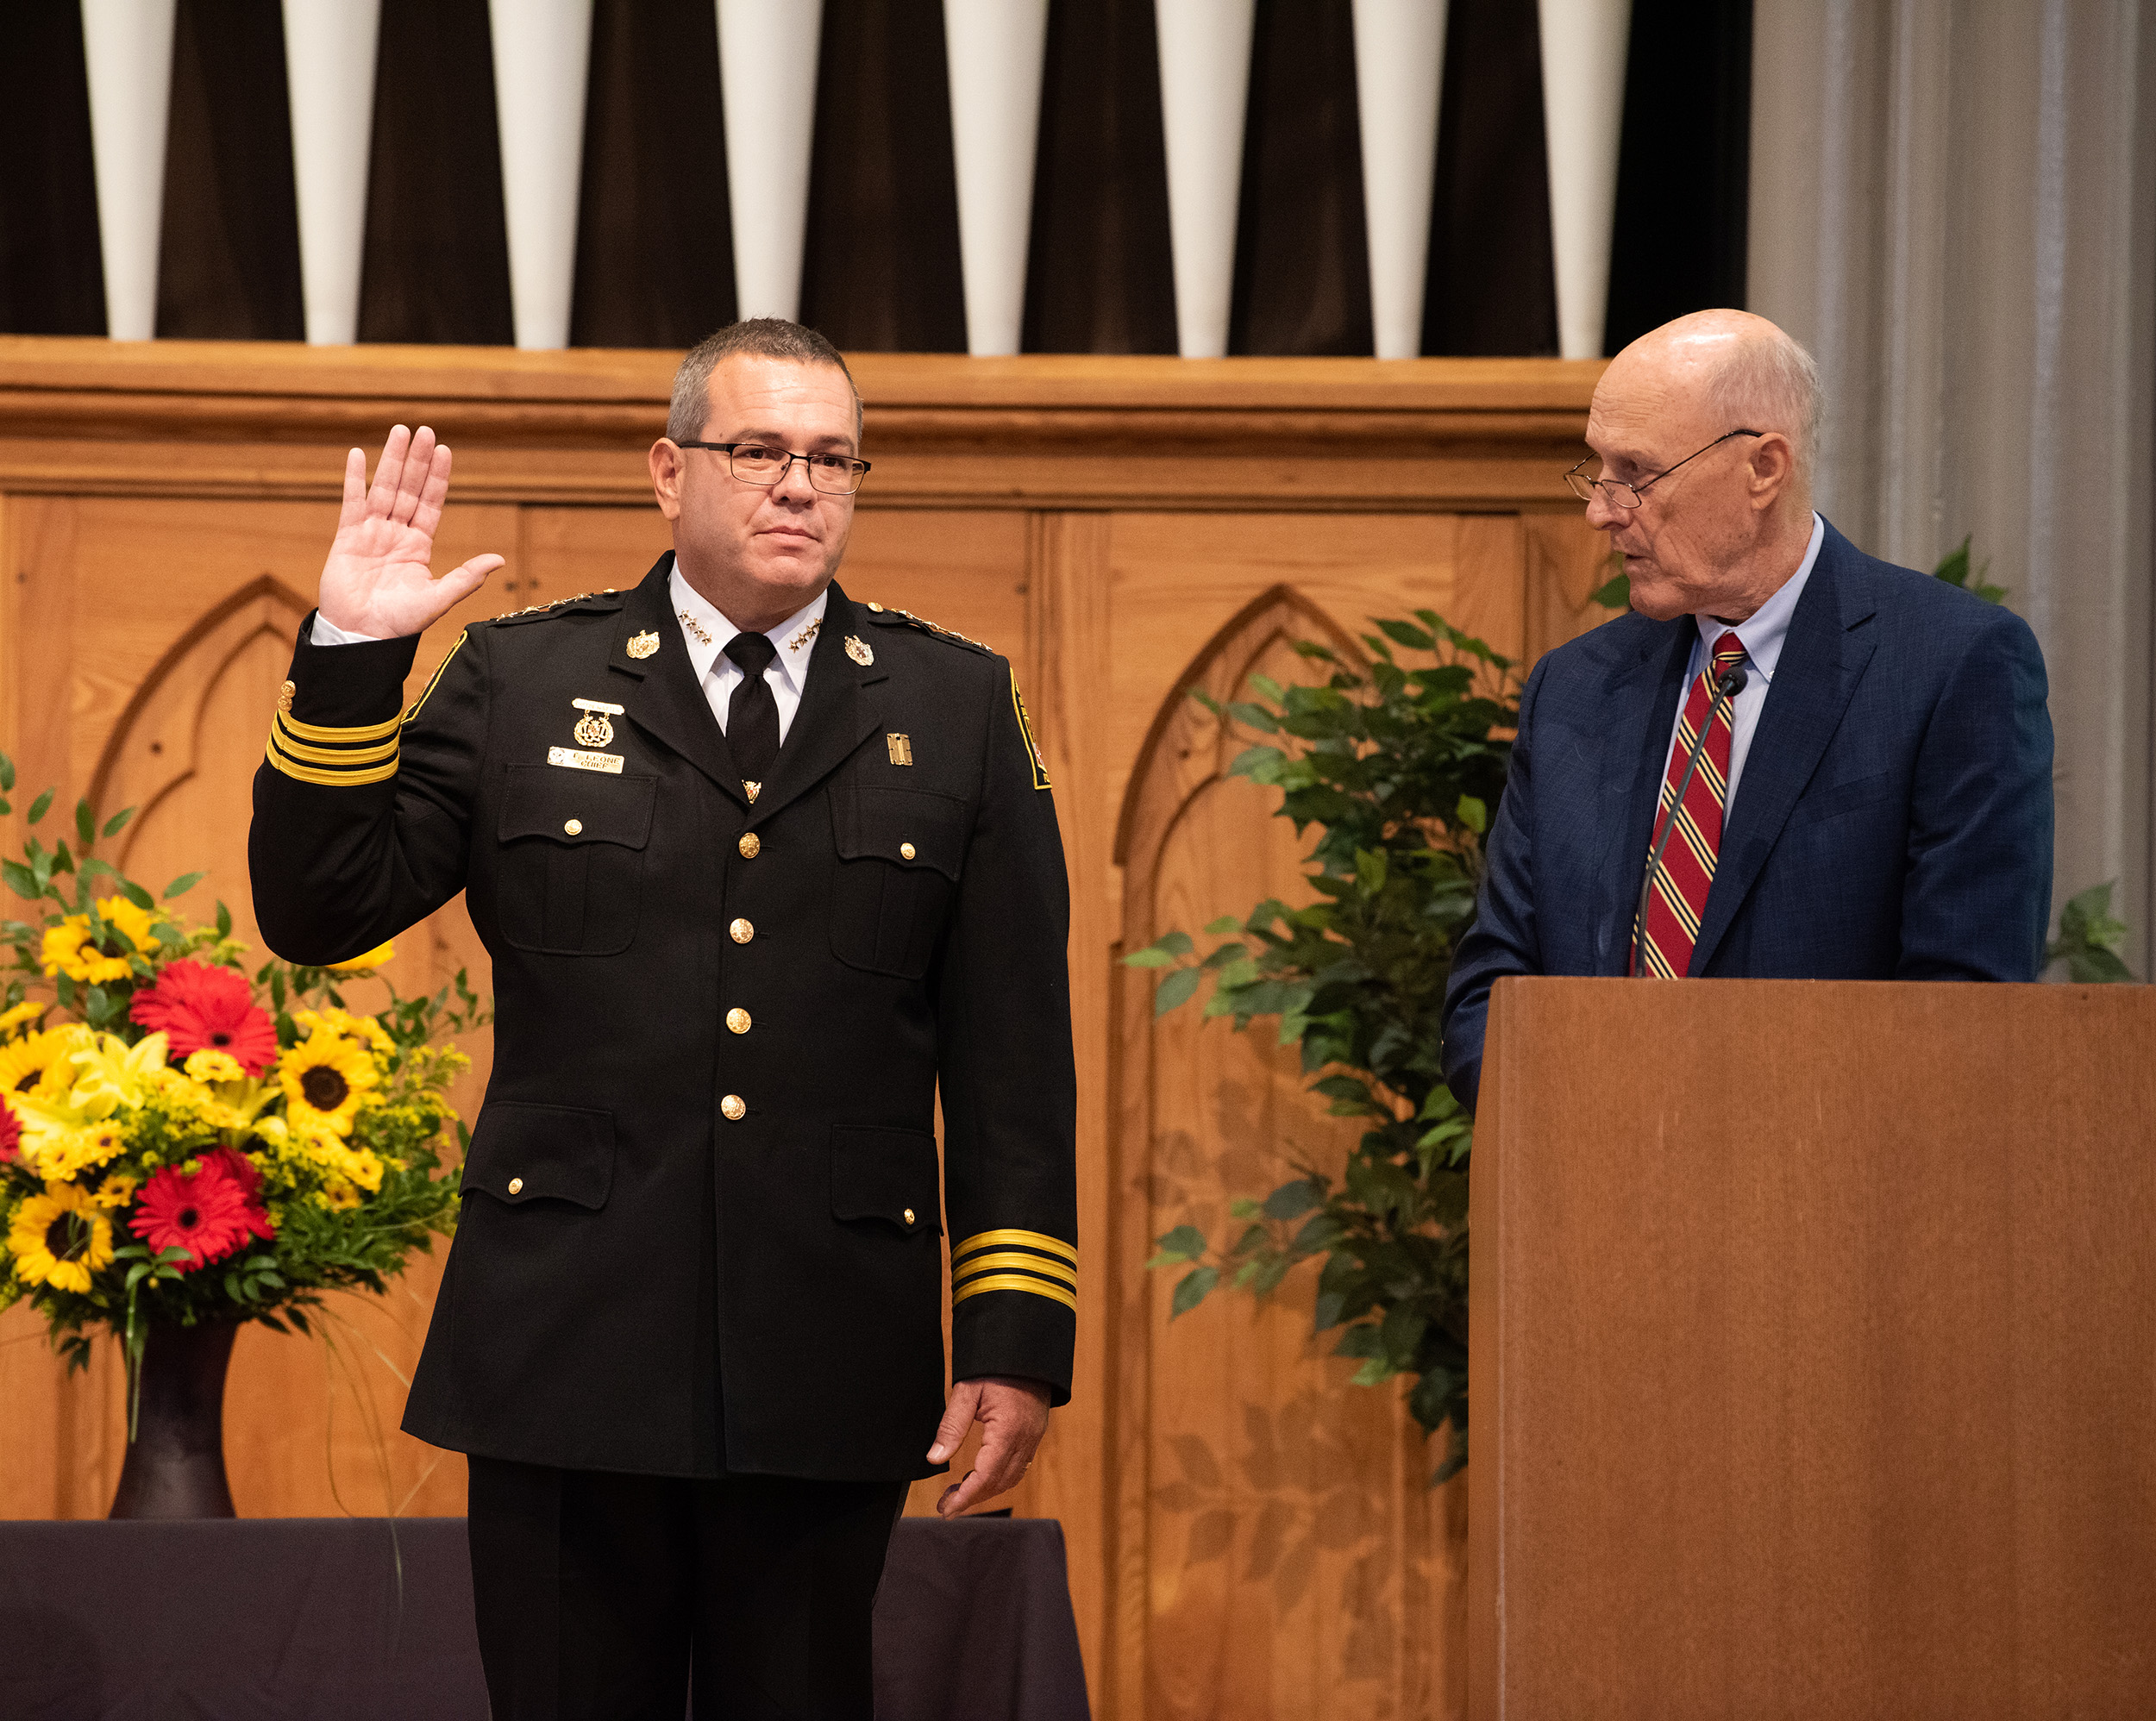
1013,1416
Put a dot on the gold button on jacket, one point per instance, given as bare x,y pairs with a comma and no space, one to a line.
630,956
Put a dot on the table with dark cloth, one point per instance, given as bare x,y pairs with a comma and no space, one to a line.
337,1619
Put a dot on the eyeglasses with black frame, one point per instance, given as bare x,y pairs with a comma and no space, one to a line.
1629,496
762,463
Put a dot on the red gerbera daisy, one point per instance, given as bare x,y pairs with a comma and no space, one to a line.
10,1135
195,1006
208,1214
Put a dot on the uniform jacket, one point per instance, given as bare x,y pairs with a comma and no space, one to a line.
701,1211
1894,820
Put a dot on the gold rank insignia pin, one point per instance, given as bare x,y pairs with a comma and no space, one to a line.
642,646
859,653
752,790
591,728
901,748
284,696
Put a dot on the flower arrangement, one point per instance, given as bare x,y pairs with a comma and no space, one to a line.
182,1140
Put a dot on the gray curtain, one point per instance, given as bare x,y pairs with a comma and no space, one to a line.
1954,205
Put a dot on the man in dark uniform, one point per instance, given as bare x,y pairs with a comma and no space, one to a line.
760,869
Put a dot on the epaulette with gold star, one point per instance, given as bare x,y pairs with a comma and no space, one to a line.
890,618
557,605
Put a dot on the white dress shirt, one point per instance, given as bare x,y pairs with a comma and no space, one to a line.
705,632
1762,634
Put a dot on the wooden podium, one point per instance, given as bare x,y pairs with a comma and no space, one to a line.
1814,1344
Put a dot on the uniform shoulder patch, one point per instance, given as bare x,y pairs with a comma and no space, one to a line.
604,599
884,615
1026,729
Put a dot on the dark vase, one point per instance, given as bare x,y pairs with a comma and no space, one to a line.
175,1464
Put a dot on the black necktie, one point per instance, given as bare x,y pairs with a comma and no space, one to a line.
752,715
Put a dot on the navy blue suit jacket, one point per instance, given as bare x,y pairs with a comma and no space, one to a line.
1893,822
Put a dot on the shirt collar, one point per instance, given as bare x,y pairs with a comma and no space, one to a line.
705,631
1763,632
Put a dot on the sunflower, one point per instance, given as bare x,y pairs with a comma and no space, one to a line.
364,1031
117,1190
59,1238
68,948
56,1151
41,1063
325,1078
29,1010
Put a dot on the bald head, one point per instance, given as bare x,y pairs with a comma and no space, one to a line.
1714,536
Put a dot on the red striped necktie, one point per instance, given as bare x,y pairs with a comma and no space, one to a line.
1678,897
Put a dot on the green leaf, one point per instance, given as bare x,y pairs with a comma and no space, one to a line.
1191,1290
1185,1242
1241,1207
1254,717
21,880
185,882
1175,943
1402,633
1293,1200
1614,594
1225,955
1152,957
7,775
118,822
40,806
224,921
135,894
1175,990
1370,870
1473,812
1226,923
85,823
1954,567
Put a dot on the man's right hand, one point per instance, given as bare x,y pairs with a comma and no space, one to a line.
377,580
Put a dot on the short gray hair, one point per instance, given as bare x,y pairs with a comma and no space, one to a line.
1769,382
761,337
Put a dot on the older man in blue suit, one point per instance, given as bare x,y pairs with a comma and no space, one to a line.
1791,760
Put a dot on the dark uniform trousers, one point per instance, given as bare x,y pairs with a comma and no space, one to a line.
689,1331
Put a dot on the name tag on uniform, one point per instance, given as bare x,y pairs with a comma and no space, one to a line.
578,759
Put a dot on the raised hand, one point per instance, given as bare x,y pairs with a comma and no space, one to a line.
377,579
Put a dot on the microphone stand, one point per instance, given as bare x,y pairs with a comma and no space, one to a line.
1730,684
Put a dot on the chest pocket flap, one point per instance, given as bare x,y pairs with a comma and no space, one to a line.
572,863
577,806
900,852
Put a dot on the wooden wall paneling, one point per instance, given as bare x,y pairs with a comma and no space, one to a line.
1281,1555
1566,566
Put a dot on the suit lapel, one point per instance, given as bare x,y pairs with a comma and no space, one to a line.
1642,698
839,710
666,702
1822,660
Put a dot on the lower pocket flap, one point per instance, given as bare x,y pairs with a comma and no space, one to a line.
888,1174
524,1153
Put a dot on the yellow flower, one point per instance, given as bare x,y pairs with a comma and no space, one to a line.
56,1150
116,1191
338,1197
39,1062
325,1078
364,1030
211,1065
59,1238
370,959
29,1010
66,950
110,1074
139,923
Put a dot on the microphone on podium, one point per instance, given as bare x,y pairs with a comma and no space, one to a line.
1727,687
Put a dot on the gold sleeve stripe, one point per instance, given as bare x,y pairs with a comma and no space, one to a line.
331,779
1037,1240
1012,1281
334,755
1030,1263
365,732
436,676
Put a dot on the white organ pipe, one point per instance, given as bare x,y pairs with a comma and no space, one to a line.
330,53
995,49
128,52
1583,49
1399,71
766,74
1204,83
542,51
